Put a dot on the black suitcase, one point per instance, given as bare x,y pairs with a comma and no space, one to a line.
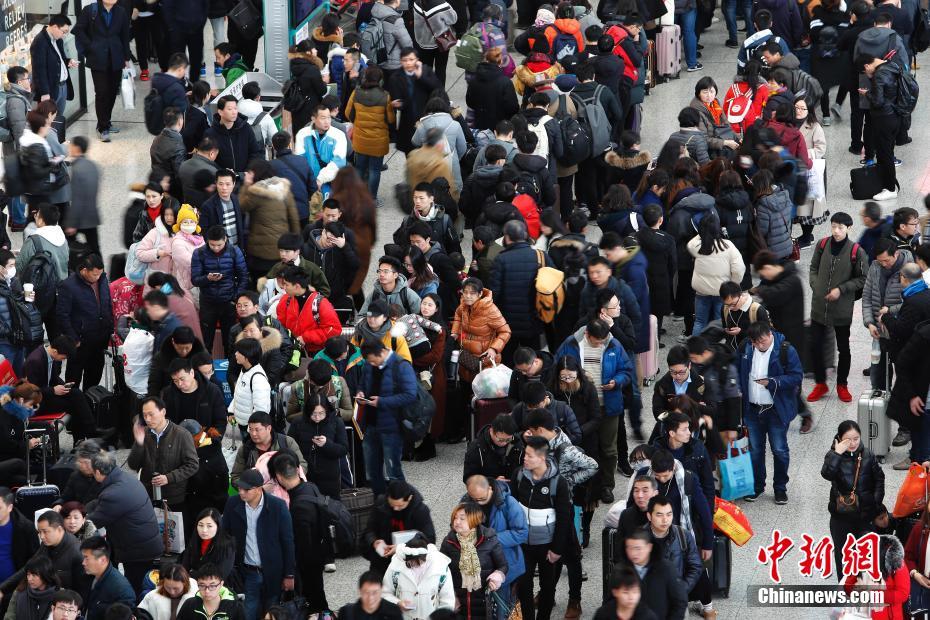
608,537
359,503
864,182
721,565
102,405
34,496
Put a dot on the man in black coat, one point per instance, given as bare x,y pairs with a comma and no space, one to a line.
401,508
213,210
43,369
633,517
496,452
84,312
109,586
311,530
102,38
234,137
679,373
170,84
513,286
330,250
410,89
185,20
369,603
125,509
663,591
50,76
59,546
915,308
191,397
296,169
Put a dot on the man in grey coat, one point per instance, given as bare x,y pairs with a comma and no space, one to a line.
882,294
167,152
82,217
396,36
18,103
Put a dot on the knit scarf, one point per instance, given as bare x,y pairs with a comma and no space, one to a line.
370,335
715,110
194,240
469,565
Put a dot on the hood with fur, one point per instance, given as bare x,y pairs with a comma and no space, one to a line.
275,188
627,162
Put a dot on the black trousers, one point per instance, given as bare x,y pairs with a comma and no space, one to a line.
533,556
13,472
212,312
192,41
311,583
566,197
247,48
87,363
106,87
435,59
884,130
514,343
150,37
856,121
818,334
587,185
74,403
135,573
839,528
93,240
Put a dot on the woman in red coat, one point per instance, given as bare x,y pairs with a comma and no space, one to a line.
895,578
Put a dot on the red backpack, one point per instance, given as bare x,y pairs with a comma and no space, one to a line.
618,34
852,257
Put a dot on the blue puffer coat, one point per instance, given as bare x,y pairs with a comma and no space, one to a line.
615,366
513,287
638,92
773,218
230,262
633,272
392,399
81,313
508,520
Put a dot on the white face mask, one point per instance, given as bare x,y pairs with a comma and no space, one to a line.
189,228
11,273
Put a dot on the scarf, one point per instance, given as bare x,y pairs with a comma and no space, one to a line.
34,604
195,240
370,335
469,565
153,213
715,110
430,215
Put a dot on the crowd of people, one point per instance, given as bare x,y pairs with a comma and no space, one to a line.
240,309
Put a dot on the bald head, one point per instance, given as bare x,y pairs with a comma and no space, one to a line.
911,272
479,489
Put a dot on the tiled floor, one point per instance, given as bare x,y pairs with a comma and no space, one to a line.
126,160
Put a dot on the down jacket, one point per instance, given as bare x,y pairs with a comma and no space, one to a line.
371,113
564,418
429,590
322,461
230,262
491,96
271,214
125,509
712,270
507,520
513,277
314,327
773,218
484,458
736,214
615,366
873,297
480,327
840,471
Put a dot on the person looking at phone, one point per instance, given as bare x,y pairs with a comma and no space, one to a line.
770,377
218,268
400,509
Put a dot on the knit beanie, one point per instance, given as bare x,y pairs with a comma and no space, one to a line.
186,212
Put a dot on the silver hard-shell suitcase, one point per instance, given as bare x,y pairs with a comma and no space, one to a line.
873,419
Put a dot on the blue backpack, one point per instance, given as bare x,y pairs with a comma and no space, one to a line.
564,45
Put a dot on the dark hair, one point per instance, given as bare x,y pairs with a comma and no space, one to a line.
610,240
689,117
524,355
225,48
841,217
539,418
157,279
503,127
730,289
81,142
67,596
221,103
422,273
97,545
473,283
658,500
847,425
900,217
674,419
495,152
678,354
597,328
527,141
652,214
225,172
207,570
372,347
399,489
155,400
419,228
280,141
89,260
180,364
250,349
64,345
662,461
49,213
605,44
704,83
504,423
585,71
762,18
217,232
118,611
764,258
538,444
199,91
261,417
577,221
625,577
757,330
295,275
51,517
885,246
16,73
593,32
532,393
372,77
369,576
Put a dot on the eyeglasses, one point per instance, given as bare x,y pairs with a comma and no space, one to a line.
244,306
67,610
568,378
617,307
209,587
679,373
385,271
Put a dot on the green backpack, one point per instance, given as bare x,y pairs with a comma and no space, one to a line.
469,51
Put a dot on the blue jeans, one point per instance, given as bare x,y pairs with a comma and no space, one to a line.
761,425
18,210
383,452
255,604
729,14
369,168
15,355
706,309
686,21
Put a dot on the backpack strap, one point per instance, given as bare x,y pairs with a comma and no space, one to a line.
753,311
553,487
823,243
258,119
539,259
315,308
783,355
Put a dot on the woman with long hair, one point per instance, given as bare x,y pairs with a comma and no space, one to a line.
716,260
275,353
252,391
749,87
358,214
551,228
619,213
321,435
736,214
476,559
651,189
174,587
420,276
32,599
813,211
154,246
773,213
369,109
17,404
210,544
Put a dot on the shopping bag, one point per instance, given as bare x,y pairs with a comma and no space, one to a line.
174,528
137,358
816,188
493,382
732,522
912,496
127,90
736,478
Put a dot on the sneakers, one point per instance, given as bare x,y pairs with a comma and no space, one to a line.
753,497
885,194
843,392
835,110
866,162
807,424
898,163
781,498
867,371
217,70
607,496
144,76
638,434
696,67
820,390
855,150
903,465
329,568
731,43
826,122
902,438
104,135
573,612
805,241
113,129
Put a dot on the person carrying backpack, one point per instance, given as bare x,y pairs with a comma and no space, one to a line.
531,173
385,37
600,111
884,116
567,39
43,262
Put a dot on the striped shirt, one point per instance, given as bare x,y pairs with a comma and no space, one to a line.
229,221
591,362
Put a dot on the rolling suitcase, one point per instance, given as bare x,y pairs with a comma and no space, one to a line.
34,496
608,555
873,415
484,411
864,182
359,503
102,405
721,565
668,52
648,362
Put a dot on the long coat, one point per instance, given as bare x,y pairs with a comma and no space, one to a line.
102,47
480,327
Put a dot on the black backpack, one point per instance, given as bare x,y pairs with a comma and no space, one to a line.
528,183
154,108
908,91
920,39
416,418
828,42
42,273
575,140
294,98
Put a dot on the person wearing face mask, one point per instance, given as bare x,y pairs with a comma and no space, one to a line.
186,240
12,308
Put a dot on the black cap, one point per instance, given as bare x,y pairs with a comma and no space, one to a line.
250,479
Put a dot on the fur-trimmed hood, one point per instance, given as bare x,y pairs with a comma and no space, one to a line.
275,188
271,339
892,554
625,162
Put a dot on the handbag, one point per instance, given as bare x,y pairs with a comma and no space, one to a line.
736,476
247,20
470,361
849,504
501,609
445,40
795,246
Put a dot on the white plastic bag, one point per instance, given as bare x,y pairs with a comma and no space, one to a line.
127,90
816,186
137,358
493,382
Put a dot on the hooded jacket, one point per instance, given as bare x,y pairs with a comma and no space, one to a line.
627,167
491,96
52,239
322,461
695,141
773,219
574,465
895,577
316,321
396,36
272,213
483,457
915,309
786,20
736,214
402,296
508,521
372,115
171,90
615,366
237,144
430,590
513,277
548,513
632,270
274,360
478,195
